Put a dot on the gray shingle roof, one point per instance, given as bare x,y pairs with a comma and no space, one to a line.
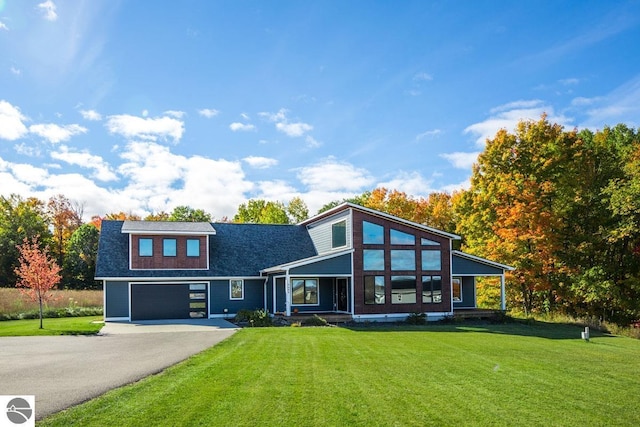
167,227
236,250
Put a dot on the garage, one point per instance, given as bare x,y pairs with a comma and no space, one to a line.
168,301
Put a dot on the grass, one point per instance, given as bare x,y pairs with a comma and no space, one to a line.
58,326
440,375
12,301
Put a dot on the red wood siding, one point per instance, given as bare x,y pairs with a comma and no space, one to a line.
359,305
179,262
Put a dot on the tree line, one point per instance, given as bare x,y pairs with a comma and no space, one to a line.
561,206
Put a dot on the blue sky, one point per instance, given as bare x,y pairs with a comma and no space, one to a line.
142,106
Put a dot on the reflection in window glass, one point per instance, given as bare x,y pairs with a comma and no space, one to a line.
193,247
304,291
403,260
339,234
373,259
431,260
400,238
197,287
431,289
169,247
236,288
374,290
403,289
427,242
145,247
456,289
372,234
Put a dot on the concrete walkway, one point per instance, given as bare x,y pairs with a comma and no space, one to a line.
63,371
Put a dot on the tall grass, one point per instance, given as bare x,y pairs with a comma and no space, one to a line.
13,302
591,322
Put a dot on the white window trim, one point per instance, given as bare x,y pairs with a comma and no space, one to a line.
305,279
231,289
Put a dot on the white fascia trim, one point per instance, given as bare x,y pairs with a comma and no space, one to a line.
147,279
483,261
382,215
305,261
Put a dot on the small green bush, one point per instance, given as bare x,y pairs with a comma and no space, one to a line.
314,321
416,319
254,318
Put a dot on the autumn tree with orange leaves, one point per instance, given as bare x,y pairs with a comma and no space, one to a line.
37,273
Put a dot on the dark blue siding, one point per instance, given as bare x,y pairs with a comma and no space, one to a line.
219,297
467,266
270,295
117,299
280,296
337,265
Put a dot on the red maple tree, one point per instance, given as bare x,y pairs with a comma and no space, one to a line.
38,273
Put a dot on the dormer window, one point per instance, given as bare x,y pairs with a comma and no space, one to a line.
169,247
193,247
145,247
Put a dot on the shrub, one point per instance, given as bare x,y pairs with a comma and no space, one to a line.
255,318
416,319
314,321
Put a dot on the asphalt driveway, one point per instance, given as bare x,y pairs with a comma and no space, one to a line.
63,371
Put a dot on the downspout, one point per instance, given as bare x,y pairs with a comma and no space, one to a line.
264,291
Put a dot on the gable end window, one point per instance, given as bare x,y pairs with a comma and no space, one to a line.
193,247
169,247
236,289
339,234
401,238
372,234
145,247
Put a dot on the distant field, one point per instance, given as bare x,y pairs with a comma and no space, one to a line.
436,375
12,301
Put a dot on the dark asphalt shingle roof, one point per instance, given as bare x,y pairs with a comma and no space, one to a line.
235,250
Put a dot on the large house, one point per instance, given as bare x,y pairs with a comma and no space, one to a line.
350,260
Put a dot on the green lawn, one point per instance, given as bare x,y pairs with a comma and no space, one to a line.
51,326
441,375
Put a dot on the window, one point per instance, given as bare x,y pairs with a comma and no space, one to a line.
431,260
403,260
373,259
339,234
427,242
304,291
403,289
400,238
236,289
169,247
145,247
431,289
456,288
193,247
372,234
374,290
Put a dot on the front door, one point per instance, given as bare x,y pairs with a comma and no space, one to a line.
341,295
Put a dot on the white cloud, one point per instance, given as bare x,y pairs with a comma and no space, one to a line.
15,71
450,188
294,129
280,116
48,10
260,162
312,142
412,183
428,134
151,129
331,175
3,26
622,105
208,112
461,160
245,116
11,126
102,170
92,115
175,113
508,115
423,77
237,126
56,133
27,150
